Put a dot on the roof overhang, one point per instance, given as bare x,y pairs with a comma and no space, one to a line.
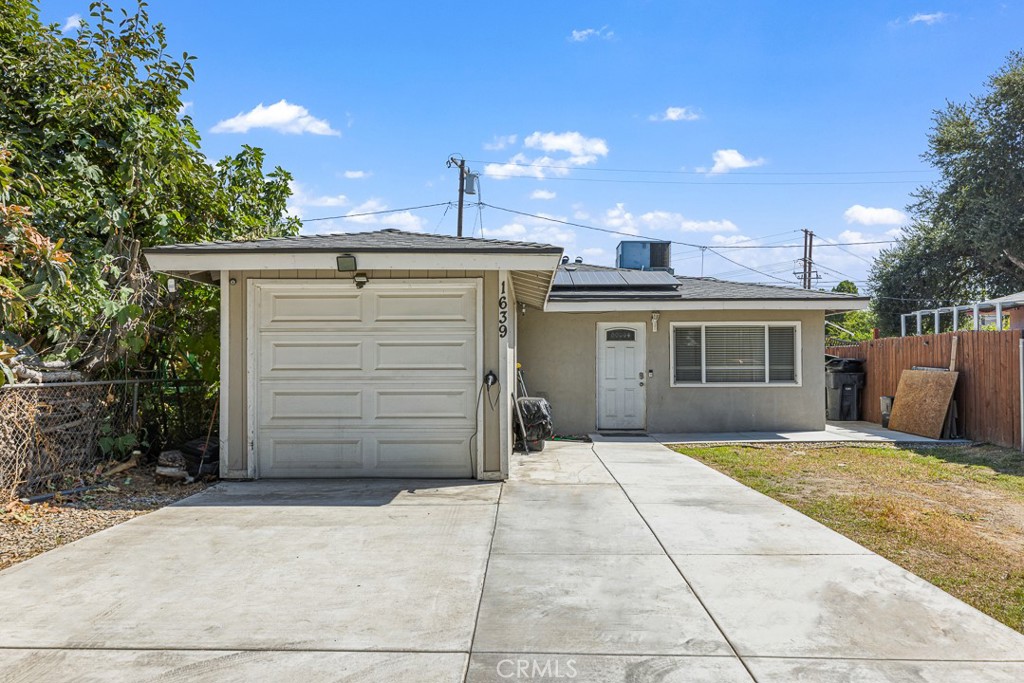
596,306
532,273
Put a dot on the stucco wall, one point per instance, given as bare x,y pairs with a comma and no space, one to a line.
237,406
559,356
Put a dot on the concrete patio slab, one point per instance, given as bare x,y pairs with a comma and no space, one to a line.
497,668
278,577
559,519
560,463
765,529
437,580
846,607
597,604
845,670
198,666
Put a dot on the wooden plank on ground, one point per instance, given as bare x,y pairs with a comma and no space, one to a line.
922,401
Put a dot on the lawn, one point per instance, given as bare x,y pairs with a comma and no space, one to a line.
953,515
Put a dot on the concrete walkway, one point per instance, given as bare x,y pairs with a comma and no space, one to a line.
605,562
834,432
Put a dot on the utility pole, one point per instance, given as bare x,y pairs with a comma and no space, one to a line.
807,262
461,164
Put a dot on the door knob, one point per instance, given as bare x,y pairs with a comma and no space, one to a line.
641,383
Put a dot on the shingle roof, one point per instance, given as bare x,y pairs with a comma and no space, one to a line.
687,289
378,241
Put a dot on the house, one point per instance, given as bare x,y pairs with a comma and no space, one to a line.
392,353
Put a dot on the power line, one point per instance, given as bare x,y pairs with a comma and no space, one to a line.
374,213
700,173
508,176
755,270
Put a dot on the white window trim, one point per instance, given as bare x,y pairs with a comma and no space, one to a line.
704,384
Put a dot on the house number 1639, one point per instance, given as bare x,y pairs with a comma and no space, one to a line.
503,312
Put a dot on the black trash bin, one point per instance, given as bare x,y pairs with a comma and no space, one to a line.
844,378
536,422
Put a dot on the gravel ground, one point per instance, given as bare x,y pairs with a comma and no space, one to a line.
27,530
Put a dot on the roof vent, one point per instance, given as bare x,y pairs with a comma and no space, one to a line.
579,259
565,259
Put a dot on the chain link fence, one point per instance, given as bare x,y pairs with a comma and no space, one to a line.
50,434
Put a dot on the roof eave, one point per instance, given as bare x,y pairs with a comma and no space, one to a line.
556,305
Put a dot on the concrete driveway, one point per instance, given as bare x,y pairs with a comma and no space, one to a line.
612,562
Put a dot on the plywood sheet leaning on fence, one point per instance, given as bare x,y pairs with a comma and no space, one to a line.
922,401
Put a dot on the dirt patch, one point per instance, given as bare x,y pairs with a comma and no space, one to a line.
27,530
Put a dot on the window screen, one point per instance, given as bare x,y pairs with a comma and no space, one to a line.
620,335
687,348
782,354
734,354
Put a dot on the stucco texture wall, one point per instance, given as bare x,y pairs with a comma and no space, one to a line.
238,465
558,352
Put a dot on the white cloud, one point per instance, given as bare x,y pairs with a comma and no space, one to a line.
619,218
594,252
585,34
730,159
573,142
928,18
282,116
500,142
355,175
529,229
302,199
667,220
72,23
403,220
581,151
868,215
542,194
676,114
185,108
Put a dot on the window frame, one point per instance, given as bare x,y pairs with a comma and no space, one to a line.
766,324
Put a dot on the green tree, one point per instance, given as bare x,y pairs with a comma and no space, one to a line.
853,325
103,159
966,240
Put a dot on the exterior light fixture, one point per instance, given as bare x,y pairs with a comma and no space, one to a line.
360,279
654,321
346,263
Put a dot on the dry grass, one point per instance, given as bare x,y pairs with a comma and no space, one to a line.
952,515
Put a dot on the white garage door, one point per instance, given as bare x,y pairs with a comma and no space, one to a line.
372,382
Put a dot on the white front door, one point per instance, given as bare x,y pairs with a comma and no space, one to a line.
621,376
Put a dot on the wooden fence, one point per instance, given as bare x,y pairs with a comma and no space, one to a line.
988,388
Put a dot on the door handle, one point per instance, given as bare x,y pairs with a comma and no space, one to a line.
641,383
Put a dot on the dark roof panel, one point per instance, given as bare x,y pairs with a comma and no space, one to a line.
379,241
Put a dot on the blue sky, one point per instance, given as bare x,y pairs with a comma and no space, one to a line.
711,123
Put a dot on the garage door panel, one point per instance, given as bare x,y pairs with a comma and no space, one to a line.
419,354
306,454
289,404
282,354
430,306
400,406
398,454
287,308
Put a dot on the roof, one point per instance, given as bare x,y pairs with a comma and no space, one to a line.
387,240
586,282
1008,301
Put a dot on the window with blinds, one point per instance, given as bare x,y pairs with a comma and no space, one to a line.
734,354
